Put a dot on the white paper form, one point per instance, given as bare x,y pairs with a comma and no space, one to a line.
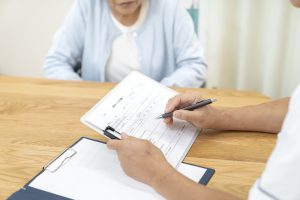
132,107
94,172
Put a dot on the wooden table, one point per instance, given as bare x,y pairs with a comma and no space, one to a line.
39,118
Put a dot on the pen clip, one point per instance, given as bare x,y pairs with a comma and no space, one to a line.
112,133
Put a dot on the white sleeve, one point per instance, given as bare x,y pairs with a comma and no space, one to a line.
281,178
191,67
67,47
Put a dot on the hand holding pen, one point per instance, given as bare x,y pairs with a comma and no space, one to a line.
183,107
191,107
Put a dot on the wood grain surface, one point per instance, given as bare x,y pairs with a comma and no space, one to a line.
39,118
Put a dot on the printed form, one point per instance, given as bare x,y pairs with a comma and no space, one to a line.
132,107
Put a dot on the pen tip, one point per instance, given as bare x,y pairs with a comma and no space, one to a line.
158,117
214,100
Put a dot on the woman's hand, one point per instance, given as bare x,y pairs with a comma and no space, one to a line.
141,160
203,117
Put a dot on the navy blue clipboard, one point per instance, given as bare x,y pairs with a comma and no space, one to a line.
30,193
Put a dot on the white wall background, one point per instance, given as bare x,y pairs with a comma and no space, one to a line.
252,44
26,31
249,44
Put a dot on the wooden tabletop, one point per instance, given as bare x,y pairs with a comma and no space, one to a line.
40,118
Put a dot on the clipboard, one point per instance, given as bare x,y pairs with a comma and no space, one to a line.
132,107
62,160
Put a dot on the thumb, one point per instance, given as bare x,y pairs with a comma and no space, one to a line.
113,144
116,144
124,136
186,115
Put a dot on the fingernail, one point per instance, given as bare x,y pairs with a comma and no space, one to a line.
124,135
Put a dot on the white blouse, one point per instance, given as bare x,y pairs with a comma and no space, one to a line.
124,56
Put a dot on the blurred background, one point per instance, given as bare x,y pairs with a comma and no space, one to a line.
249,44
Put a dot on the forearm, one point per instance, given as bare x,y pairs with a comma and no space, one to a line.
192,76
67,48
191,68
267,117
174,186
63,72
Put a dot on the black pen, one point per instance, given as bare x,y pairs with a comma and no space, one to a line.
190,107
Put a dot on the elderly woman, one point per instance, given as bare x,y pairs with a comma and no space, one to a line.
111,38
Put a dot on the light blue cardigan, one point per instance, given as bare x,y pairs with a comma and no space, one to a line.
168,48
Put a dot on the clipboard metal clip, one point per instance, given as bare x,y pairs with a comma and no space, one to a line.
62,159
112,133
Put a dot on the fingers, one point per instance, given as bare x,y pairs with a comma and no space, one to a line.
113,144
168,121
116,144
186,115
119,144
124,136
180,101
